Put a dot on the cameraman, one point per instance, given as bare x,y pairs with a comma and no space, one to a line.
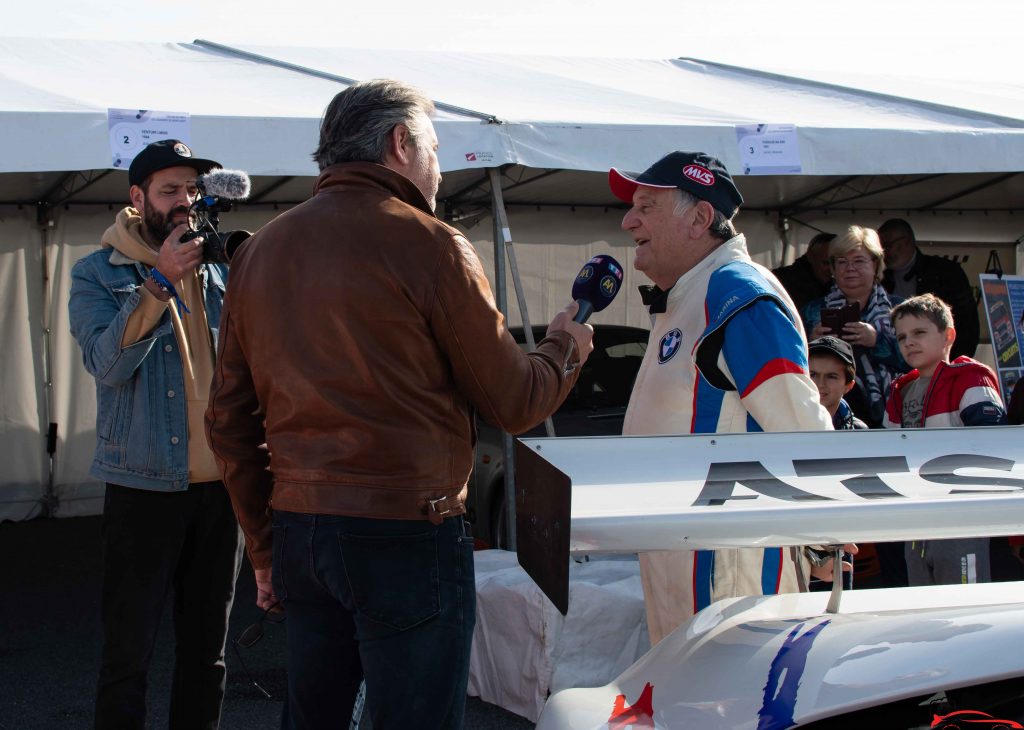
145,310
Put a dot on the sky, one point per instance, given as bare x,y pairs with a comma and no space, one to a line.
978,41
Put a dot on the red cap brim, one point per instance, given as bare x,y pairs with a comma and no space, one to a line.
623,186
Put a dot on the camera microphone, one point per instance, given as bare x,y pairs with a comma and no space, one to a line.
227,184
596,285
217,189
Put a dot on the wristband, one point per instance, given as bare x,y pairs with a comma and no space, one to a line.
151,283
165,285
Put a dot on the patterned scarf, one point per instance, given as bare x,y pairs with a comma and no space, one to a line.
873,378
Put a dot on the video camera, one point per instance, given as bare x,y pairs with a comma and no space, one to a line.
217,189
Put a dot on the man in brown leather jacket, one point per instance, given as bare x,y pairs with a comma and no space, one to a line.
358,336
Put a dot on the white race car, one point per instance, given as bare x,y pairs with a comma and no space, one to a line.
889,658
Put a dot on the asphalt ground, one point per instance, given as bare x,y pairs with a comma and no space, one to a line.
50,640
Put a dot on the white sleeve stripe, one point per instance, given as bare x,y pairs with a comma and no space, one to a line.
943,420
787,402
979,394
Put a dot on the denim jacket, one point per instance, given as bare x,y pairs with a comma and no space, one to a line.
141,433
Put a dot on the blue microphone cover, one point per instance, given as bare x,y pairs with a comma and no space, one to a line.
598,282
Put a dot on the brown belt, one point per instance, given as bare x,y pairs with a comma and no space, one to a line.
373,502
436,510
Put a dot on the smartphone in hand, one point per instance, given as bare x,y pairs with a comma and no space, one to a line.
836,319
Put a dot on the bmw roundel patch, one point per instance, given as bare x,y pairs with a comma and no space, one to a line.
669,345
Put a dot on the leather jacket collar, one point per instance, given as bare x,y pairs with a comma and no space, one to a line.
345,175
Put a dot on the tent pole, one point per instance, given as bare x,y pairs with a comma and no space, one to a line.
45,221
501,294
502,231
502,247
787,245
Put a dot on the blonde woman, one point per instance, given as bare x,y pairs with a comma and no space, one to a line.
857,263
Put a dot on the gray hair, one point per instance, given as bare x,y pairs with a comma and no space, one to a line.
721,227
358,121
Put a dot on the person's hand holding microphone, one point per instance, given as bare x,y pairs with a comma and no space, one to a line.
594,289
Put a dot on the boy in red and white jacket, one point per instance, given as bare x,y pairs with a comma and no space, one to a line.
939,393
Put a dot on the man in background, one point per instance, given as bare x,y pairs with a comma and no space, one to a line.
908,272
810,276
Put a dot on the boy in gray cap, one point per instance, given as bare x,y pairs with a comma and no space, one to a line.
834,372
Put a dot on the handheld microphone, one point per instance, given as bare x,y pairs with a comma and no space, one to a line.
596,285
227,184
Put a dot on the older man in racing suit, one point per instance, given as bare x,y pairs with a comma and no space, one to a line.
727,354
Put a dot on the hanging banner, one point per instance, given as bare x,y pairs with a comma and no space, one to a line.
769,149
1004,306
132,129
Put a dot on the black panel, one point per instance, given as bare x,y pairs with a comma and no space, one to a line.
543,508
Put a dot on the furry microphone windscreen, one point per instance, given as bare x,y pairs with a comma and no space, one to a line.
227,184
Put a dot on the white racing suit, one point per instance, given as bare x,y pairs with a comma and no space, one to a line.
727,355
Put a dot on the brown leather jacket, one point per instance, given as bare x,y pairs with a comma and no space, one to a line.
358,334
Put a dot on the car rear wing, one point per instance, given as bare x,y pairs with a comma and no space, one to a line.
640,493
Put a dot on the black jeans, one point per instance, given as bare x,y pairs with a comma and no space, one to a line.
391,601
153,542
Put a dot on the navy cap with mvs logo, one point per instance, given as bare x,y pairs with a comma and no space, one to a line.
163,154
696,173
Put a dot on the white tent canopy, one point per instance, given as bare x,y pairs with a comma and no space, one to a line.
948,157
590,114
259,107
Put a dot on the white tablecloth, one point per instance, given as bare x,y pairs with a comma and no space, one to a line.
524,649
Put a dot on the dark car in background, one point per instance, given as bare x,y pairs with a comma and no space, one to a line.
596,406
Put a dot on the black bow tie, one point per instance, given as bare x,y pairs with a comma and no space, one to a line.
654,298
